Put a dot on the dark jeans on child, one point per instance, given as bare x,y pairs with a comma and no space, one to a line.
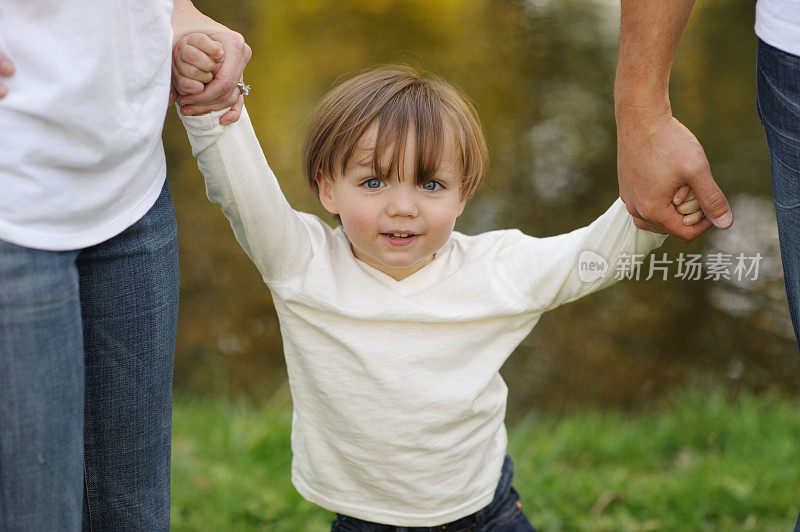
503,514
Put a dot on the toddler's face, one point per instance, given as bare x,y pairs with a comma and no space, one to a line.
395,226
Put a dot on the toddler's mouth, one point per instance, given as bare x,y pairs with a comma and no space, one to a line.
400,238
399,235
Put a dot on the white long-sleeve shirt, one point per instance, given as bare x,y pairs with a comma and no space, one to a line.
398,404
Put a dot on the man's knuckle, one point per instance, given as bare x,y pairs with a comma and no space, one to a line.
696,163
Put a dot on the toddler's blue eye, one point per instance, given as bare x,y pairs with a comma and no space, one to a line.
373,183
431,185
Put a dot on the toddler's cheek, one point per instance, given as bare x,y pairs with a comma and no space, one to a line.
358,224
445,223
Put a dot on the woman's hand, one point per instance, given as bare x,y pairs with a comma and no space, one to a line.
222,91
6,70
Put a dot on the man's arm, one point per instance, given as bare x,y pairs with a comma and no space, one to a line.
656,154
221,92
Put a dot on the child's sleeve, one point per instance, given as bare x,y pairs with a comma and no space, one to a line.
548,272
278,239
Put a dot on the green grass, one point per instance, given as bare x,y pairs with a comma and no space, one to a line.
698,461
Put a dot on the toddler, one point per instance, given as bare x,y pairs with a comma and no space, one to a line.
395,326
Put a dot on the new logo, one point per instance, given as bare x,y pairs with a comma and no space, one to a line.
591,266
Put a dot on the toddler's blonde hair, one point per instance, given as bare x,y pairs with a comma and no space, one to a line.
399,99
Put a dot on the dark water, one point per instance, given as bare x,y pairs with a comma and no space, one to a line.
540,73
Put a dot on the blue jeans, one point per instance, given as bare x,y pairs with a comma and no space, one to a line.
503,514
87,342
778,100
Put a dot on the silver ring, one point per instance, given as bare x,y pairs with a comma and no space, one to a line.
244,88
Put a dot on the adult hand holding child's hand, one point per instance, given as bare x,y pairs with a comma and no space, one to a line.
656,154
195,59
221,91
657,157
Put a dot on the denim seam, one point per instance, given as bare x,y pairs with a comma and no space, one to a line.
779,204
88,497
508,516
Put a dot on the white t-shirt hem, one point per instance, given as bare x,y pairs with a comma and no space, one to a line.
393,518
64,242
787,45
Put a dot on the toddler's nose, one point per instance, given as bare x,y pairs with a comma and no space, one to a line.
402,202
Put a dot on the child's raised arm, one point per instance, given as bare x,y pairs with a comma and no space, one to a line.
278,239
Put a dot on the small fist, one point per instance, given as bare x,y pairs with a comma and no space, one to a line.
196,58
687,204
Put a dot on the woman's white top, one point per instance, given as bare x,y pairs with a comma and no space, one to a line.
81,156
778,24
398,404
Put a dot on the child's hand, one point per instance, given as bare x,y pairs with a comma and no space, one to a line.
195,60
686,203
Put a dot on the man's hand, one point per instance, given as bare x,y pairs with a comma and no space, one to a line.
656,155
222,91
6,69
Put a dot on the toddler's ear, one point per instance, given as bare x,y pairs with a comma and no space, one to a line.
461,207
326,194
